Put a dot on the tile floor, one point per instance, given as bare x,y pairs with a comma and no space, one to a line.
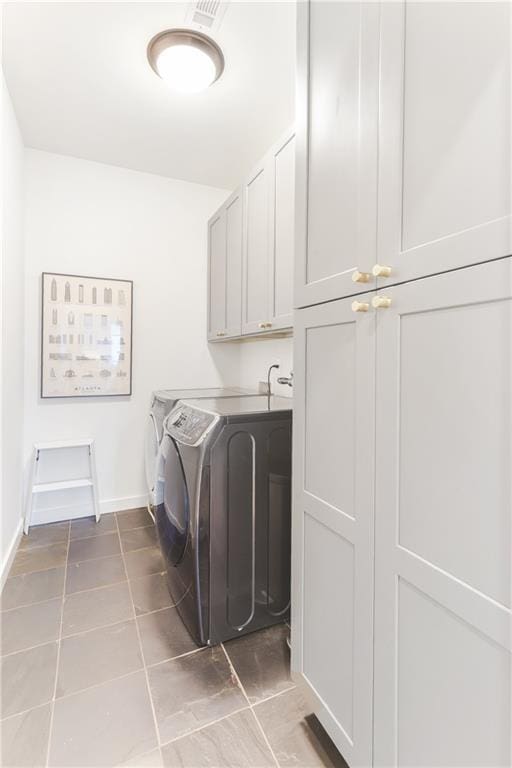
98,670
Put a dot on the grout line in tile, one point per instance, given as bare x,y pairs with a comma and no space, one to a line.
204,727
30,648
136,528
148,688
98,685
127,578
103,682
29,605
113,532
141,756
100,626
174,658
50,728
147,575
129,551
93,559
36,602
94,536
274,695
235,674
93,589
36,547
157,610
39,570
103,557
132,509
25,711
265,738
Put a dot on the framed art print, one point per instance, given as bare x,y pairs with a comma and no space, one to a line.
86,345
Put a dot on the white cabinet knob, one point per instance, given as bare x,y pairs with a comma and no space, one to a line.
221,333
381,302
262,325
360,277
360,306
381,270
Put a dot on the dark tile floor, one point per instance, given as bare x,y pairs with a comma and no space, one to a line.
97,668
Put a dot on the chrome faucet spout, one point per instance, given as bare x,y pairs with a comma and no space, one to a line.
288,380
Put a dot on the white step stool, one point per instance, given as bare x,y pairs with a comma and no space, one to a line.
61,485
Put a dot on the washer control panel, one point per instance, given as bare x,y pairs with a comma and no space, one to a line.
188,425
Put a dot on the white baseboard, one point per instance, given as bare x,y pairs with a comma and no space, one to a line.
11,552
68,512
128,502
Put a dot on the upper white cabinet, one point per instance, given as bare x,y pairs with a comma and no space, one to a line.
337,121
256,261
225,269
251,250
217,276
269,233
444,136
234,235
403,141
282,232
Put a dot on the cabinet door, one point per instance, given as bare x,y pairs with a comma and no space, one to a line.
234,222
443,521
282,207
255,305
444,136
217,276
337,112
332,529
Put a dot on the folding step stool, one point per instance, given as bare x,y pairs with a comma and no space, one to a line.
61,485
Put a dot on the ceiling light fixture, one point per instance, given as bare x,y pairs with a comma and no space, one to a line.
186,60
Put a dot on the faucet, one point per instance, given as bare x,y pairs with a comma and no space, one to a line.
286,379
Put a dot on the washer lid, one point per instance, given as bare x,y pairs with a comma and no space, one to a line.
260,406
173,395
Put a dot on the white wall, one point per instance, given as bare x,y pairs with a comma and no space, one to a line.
256,355
11,319
93,219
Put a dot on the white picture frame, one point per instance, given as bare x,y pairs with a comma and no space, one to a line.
86,336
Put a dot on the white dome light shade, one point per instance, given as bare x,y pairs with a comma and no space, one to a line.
186,68
186,60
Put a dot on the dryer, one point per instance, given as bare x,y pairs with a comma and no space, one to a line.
162,403
224,520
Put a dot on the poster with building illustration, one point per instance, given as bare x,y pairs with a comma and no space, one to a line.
86,346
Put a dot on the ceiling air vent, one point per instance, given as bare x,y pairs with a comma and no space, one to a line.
207,14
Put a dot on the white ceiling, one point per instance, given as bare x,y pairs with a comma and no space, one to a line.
81,85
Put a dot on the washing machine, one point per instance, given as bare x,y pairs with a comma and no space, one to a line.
224,522
162,403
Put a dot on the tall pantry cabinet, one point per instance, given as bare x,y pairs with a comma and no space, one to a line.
402,532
